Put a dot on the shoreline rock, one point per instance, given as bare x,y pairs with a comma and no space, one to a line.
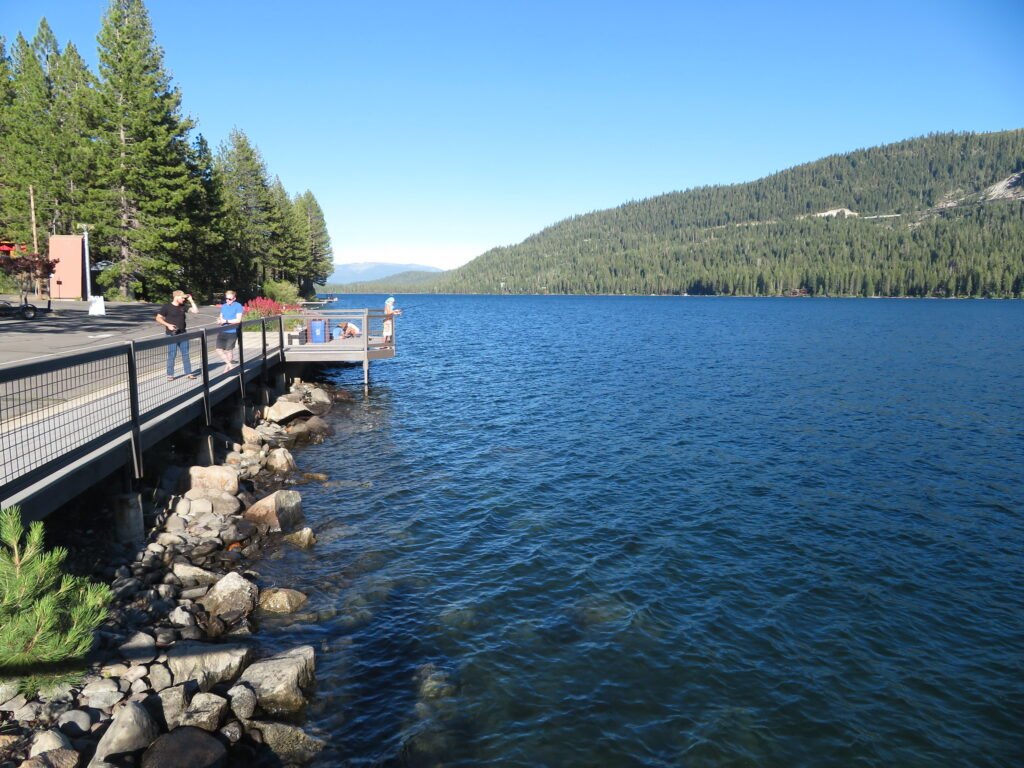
177,669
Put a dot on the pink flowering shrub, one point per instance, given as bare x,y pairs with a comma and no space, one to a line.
264,307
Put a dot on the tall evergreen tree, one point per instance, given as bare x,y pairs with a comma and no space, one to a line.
316,248
208,268
28,132
142,150
249,209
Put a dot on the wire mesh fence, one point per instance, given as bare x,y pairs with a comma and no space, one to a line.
54,411
49,411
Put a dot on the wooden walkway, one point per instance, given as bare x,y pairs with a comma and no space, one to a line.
68,421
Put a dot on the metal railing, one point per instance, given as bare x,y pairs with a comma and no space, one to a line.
371,324
55,411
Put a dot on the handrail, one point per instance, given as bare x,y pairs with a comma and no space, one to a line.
57,410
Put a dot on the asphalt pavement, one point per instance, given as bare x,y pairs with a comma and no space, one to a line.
70,328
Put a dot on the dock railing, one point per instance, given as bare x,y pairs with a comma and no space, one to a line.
57,411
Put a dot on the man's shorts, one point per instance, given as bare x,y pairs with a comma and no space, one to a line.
227,340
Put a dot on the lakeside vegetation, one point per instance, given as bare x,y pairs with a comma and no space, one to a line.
111,151
940,215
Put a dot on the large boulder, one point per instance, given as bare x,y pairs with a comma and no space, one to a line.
283,411
281,600
280,511
319,427
191,574
289,742
232,593
303,539
278,681
205,711
189,746
207,664
65,757
216,477
140,649
222,503
280,460
131,730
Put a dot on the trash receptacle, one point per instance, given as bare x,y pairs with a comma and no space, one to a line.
317,331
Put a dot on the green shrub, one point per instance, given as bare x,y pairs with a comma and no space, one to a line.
46,616
281,292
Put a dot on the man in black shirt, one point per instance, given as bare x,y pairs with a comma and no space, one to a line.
172,317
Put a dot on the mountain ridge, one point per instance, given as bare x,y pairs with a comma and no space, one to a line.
939,215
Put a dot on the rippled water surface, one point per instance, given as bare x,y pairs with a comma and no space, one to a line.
593,531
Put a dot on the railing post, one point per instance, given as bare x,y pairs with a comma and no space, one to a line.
241,358
206,378
263,333
133,397
366,349
280,335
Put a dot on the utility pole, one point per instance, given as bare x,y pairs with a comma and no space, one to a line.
85,255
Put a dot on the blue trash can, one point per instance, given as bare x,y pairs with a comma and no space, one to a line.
336,332
317,331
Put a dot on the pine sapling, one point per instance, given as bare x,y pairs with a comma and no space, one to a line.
46,616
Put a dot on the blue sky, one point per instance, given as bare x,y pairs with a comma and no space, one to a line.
432,131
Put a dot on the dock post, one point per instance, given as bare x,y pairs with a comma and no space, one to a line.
128,525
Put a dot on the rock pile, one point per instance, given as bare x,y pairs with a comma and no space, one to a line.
178,679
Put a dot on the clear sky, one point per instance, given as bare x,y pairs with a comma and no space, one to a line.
433,131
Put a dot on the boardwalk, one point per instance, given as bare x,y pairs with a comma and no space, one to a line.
71,418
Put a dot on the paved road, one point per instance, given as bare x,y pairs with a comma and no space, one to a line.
70,328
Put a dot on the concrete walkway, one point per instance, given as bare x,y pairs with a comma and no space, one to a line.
70,328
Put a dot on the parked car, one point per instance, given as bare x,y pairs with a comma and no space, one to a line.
27,311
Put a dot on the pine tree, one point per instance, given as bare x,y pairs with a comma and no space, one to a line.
249,210
142,149
316,246
45,616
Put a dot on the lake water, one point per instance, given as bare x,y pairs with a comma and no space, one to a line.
603,531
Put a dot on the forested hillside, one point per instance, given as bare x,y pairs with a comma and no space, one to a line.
941,215
110,152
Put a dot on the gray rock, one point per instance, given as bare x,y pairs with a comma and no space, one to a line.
243,701
303,539
75,723
173,703
201,507
187,746
137,672
65,757
280,511
190,573
131,730
319,427
181,618
281,460
8,690
283,411
250,436
216,477
233,732
140,649
208,664
44,741
278,681
159,677
231,593
101,694
194,593
205,711
222,503
281,600
290,743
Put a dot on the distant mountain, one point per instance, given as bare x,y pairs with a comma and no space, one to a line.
372,270
939,215
412,281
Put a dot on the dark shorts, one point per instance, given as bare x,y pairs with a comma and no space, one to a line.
226,340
